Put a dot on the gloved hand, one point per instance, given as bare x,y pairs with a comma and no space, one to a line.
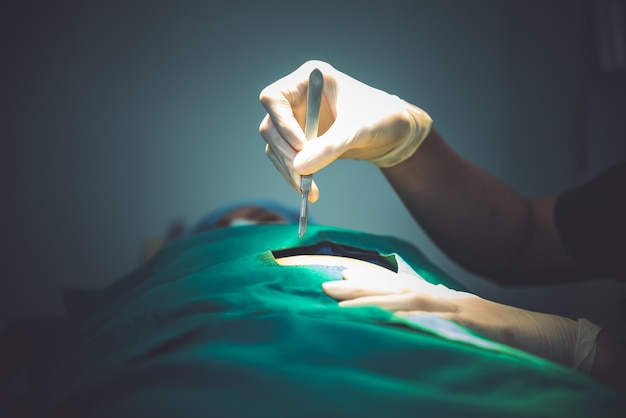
562,340
356,121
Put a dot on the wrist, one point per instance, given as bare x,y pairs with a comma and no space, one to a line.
609,366
420,124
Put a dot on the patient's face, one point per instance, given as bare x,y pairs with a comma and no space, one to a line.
249,215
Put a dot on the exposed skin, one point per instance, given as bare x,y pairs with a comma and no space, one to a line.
480,222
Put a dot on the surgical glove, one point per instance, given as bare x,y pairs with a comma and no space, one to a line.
562,340
356,121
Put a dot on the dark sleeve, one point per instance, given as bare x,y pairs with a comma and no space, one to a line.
591,222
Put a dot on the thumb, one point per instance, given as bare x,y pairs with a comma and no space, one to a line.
321,151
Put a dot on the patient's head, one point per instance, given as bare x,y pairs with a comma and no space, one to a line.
248,213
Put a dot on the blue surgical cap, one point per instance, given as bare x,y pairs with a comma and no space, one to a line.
291,214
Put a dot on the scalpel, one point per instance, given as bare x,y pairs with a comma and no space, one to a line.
313,103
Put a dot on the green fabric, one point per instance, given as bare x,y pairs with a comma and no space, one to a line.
212,326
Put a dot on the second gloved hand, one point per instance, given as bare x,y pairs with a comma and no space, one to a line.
356,121
550,336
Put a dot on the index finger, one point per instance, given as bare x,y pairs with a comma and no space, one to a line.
285,102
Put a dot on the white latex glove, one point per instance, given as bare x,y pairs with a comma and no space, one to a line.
562,340
356,121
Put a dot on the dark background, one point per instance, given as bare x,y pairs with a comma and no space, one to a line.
120,116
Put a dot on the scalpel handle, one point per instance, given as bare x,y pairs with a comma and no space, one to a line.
313,104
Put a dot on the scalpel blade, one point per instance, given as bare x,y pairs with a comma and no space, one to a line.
313,103
305,187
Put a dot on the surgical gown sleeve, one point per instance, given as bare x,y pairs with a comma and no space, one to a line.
591,221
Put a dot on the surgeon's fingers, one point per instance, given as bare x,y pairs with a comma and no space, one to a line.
285,103
282,154
343,289
399,282
285,168
321,151
403,302
272,136
281,165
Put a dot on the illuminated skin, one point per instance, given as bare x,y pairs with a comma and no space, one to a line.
331,260
255,214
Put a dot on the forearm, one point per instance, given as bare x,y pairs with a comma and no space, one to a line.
474,218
